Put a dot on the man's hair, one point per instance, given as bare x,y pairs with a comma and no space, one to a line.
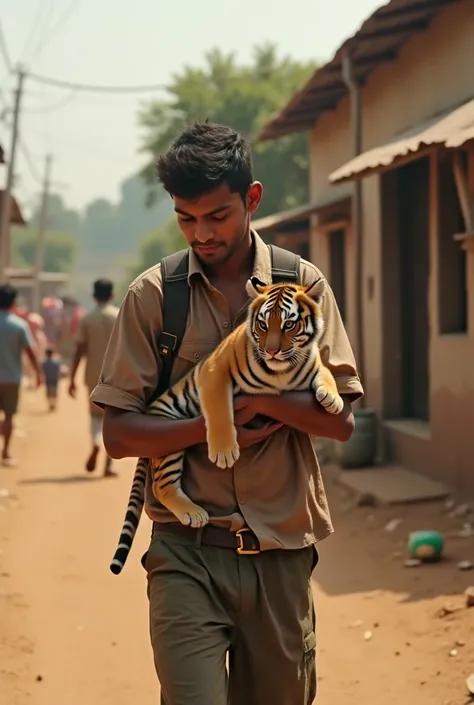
8,296
49,352
202,158
103,289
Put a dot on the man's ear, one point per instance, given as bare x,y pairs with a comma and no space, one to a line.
255,287
254,196
316,290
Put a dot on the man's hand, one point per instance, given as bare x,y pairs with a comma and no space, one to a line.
72,389
247,437
246,411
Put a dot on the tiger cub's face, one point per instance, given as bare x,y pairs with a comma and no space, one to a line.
284,320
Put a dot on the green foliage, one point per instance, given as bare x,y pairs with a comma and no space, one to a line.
60,249
244,97
153,247
104,234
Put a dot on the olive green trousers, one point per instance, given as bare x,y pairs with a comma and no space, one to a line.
229,629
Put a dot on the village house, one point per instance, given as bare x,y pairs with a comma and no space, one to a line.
391,123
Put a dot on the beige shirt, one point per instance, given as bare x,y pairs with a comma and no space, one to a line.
94,332
276,486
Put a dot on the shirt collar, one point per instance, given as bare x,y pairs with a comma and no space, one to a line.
262,266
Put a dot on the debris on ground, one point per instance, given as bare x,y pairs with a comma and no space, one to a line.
368,635
392,525
446,610
470,683
412,562
465,565
366,499
460,511
469,593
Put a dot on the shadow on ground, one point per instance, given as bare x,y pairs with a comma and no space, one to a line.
363,557
61,480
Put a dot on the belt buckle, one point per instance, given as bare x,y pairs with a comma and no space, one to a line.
241,550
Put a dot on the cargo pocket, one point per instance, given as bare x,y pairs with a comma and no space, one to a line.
310,667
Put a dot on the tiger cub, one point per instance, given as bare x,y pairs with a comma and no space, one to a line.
275,350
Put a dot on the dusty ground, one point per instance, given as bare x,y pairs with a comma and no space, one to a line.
71,633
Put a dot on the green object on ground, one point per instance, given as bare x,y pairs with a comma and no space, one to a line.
426,545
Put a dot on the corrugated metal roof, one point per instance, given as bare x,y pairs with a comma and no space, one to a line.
16,217
284,217
27,276
378,40
301,213
451,129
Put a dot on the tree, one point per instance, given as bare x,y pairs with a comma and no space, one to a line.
243,97
59,254
154,246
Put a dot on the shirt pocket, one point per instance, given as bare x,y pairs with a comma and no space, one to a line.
190,353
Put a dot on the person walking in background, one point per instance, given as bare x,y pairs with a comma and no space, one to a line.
15,338
52,374
93,333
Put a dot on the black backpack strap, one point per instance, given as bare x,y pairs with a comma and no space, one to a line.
285,265
176,293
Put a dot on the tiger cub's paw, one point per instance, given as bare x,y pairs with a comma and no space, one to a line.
329,401
223,457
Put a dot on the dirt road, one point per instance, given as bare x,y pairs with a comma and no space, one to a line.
72,633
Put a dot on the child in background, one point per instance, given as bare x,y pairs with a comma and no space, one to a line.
52,369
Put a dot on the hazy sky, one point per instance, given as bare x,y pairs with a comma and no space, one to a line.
94,138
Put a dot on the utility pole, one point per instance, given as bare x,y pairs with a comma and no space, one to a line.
6,209
41,236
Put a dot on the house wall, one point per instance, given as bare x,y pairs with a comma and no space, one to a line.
433,73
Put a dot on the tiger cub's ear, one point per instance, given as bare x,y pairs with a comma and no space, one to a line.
255,287
316,290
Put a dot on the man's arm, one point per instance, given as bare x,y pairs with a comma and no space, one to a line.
127,434
33,358
81,349
301,411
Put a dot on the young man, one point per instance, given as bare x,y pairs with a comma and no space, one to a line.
15,338
206,599
92,338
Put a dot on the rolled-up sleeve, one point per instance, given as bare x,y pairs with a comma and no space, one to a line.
336,350
131,366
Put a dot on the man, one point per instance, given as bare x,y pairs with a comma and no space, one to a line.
207,600
15,338
92,338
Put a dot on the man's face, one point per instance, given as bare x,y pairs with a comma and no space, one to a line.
217,223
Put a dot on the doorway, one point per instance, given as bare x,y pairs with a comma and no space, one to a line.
413,239
337,268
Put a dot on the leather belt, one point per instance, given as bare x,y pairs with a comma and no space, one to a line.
243,541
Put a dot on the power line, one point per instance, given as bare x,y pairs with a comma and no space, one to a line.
36,26
51,108
98,89
30,162
62,19
4,51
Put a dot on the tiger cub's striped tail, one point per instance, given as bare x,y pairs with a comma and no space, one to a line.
136,501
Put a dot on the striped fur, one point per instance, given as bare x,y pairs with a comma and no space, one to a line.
276,350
